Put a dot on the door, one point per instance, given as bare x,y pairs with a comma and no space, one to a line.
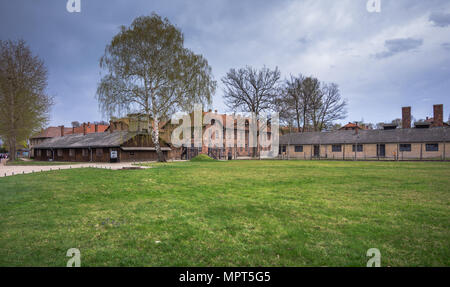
316,151
381,150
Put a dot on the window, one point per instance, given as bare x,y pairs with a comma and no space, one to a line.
283,148
99,152
358,149
60,152
405,147
432,147
84,152
131,153
38,152
49,153
71,152
298,148
336,148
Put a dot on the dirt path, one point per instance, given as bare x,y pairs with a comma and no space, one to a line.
6,170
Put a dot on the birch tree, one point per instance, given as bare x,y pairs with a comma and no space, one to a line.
25,105
150,72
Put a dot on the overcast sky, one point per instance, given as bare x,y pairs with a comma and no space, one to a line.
381,61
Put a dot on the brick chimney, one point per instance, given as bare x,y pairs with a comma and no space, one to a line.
406,117
84,128
62,130
73,130
96,128
438,115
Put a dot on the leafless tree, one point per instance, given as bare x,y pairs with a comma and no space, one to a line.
251,90
313,97
291,104
75,124
312,105
331,108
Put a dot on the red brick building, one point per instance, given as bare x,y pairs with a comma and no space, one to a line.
100,147
52,132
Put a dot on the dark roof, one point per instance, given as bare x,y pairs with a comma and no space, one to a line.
422,123
439,134
105,139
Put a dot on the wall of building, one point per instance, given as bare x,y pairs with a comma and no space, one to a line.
131,156
392,152
447,151
90,155
306,154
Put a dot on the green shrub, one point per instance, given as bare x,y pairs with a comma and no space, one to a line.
202,157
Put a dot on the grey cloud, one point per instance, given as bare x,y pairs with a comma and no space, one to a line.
446,46
303,40
440,19
395,46
314,37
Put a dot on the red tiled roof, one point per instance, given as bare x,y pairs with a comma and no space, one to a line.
52,132
351,126
89,129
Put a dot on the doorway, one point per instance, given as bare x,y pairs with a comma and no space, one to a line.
381,150
316,151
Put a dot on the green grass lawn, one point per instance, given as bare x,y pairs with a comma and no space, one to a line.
239,213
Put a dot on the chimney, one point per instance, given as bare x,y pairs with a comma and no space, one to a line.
73,130
406,117
62,130
84,129
96,128
438,115
111,126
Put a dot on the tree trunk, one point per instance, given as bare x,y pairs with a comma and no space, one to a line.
12,149
155,139
298,121
12,137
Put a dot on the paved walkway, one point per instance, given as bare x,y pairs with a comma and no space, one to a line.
7,170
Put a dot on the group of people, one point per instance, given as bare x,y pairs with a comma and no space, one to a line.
3,155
